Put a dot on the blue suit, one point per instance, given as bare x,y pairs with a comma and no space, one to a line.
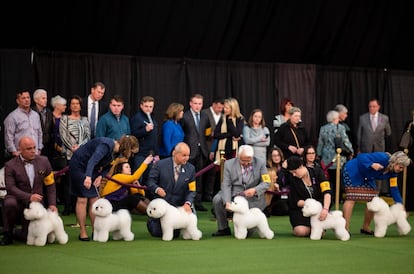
177,192
162,175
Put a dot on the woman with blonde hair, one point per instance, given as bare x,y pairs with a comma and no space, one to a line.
229,130
360,175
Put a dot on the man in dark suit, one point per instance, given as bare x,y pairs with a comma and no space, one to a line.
211,183
195,124
244,175
373,127
173,179
27,176
145,128
93,106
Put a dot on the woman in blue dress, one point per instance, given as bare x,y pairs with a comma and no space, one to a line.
87,166
360,175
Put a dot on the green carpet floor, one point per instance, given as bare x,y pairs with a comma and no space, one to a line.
284,254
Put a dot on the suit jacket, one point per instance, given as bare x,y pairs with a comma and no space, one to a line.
47,124
147,140
370,140
233,184
210,139
178,192
102,109
18,184
195,138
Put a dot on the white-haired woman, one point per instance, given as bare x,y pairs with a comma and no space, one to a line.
326,144
360,175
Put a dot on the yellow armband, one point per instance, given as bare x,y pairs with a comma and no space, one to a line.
266,178
192,186
207,132
393,182
325,185
49,179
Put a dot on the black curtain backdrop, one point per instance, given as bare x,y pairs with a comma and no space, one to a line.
314,88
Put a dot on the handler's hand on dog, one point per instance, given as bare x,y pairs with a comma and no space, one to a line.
228,207
36,197
53,208
187,208
323,215
250,192
161,192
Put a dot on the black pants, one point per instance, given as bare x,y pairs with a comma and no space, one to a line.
154,228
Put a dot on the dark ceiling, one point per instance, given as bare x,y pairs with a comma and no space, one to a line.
346,33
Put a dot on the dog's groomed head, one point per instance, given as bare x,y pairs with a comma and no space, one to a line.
157,208
311,207
377,204
35,211
102,207
239,204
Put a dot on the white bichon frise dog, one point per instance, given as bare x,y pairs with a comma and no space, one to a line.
245,218
106,221
385,215
44,226
334,220
174,218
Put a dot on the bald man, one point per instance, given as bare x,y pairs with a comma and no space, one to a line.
26,176
172,179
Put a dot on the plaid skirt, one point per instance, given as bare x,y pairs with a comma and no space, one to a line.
364,192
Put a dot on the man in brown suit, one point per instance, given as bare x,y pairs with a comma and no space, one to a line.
26,176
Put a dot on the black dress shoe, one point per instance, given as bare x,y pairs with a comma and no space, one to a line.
222,232
86,239
7,239
366,232
200,208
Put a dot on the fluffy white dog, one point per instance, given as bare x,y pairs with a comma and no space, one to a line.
385,215
334,220
106,221
245,218
174,218
45,226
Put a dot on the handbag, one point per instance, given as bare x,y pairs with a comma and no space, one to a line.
406,139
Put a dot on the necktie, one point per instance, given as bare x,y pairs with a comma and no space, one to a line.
93,118
373,122
176,172
197,121
245,172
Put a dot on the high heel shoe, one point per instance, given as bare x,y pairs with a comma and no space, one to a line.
86,239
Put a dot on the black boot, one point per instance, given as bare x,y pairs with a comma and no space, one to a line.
7,238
